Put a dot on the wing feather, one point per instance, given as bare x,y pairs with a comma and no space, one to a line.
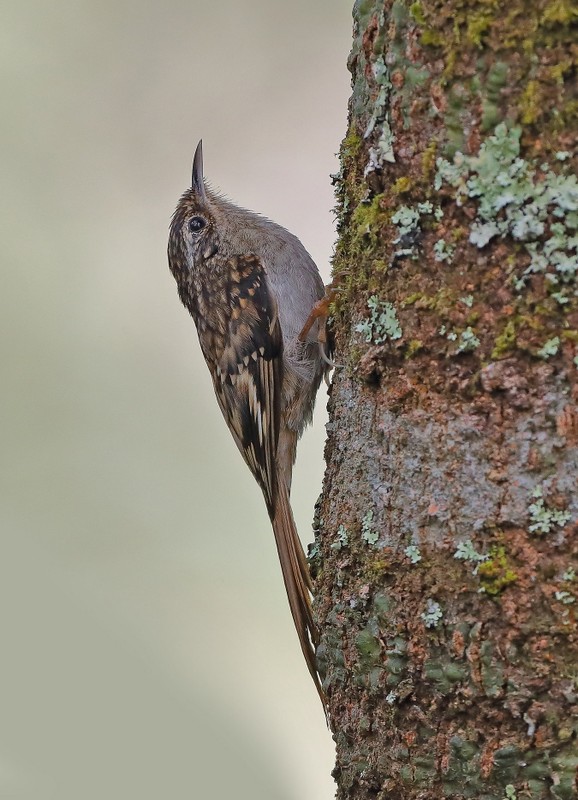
248,372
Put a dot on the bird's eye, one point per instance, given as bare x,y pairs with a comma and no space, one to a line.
196,224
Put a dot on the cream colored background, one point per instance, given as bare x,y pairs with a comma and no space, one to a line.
147,648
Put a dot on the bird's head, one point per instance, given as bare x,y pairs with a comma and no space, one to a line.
193,237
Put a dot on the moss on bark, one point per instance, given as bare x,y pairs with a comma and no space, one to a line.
446,549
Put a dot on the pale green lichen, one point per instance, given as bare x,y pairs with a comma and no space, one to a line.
517,198
560,297
466,551
313,551
407,220
468,341
342,539
383,151
433,614
413,553
451,335
510,792
565,597
468,300
569,574
549,348
382,323
368,532
443,251
544,518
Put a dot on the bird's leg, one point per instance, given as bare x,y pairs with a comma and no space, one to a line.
320,311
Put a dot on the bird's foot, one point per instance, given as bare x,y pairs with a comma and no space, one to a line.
320,313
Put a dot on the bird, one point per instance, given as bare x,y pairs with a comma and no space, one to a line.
257,300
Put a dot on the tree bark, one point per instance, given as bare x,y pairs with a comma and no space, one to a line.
446,556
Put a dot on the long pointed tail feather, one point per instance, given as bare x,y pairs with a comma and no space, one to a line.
297,582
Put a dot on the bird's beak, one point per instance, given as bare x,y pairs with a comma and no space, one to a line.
197,182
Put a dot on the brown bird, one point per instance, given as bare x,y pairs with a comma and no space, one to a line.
250,287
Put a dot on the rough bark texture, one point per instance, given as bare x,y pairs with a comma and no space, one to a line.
446,556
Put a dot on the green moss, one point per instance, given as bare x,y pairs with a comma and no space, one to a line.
442,302
486,89
458,234
412,298
351,145
451,59
432,38
354,356
357,245
367,216
531,103
402,185
428,160
376,569
416,12
569,114
559,70
478,26
506,341
561,12
413,347
379,266
496,574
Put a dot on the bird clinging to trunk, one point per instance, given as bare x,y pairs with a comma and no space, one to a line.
250,287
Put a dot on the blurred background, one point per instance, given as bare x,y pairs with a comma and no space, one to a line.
147,646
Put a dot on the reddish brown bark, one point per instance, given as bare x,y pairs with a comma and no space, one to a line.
446,548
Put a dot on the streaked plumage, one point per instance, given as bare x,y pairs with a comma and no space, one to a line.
250,285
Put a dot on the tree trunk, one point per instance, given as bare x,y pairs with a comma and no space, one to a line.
446,556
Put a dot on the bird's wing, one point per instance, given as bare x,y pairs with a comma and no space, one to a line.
248,378
248,374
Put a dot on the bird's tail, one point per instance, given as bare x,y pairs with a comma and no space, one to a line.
297,581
